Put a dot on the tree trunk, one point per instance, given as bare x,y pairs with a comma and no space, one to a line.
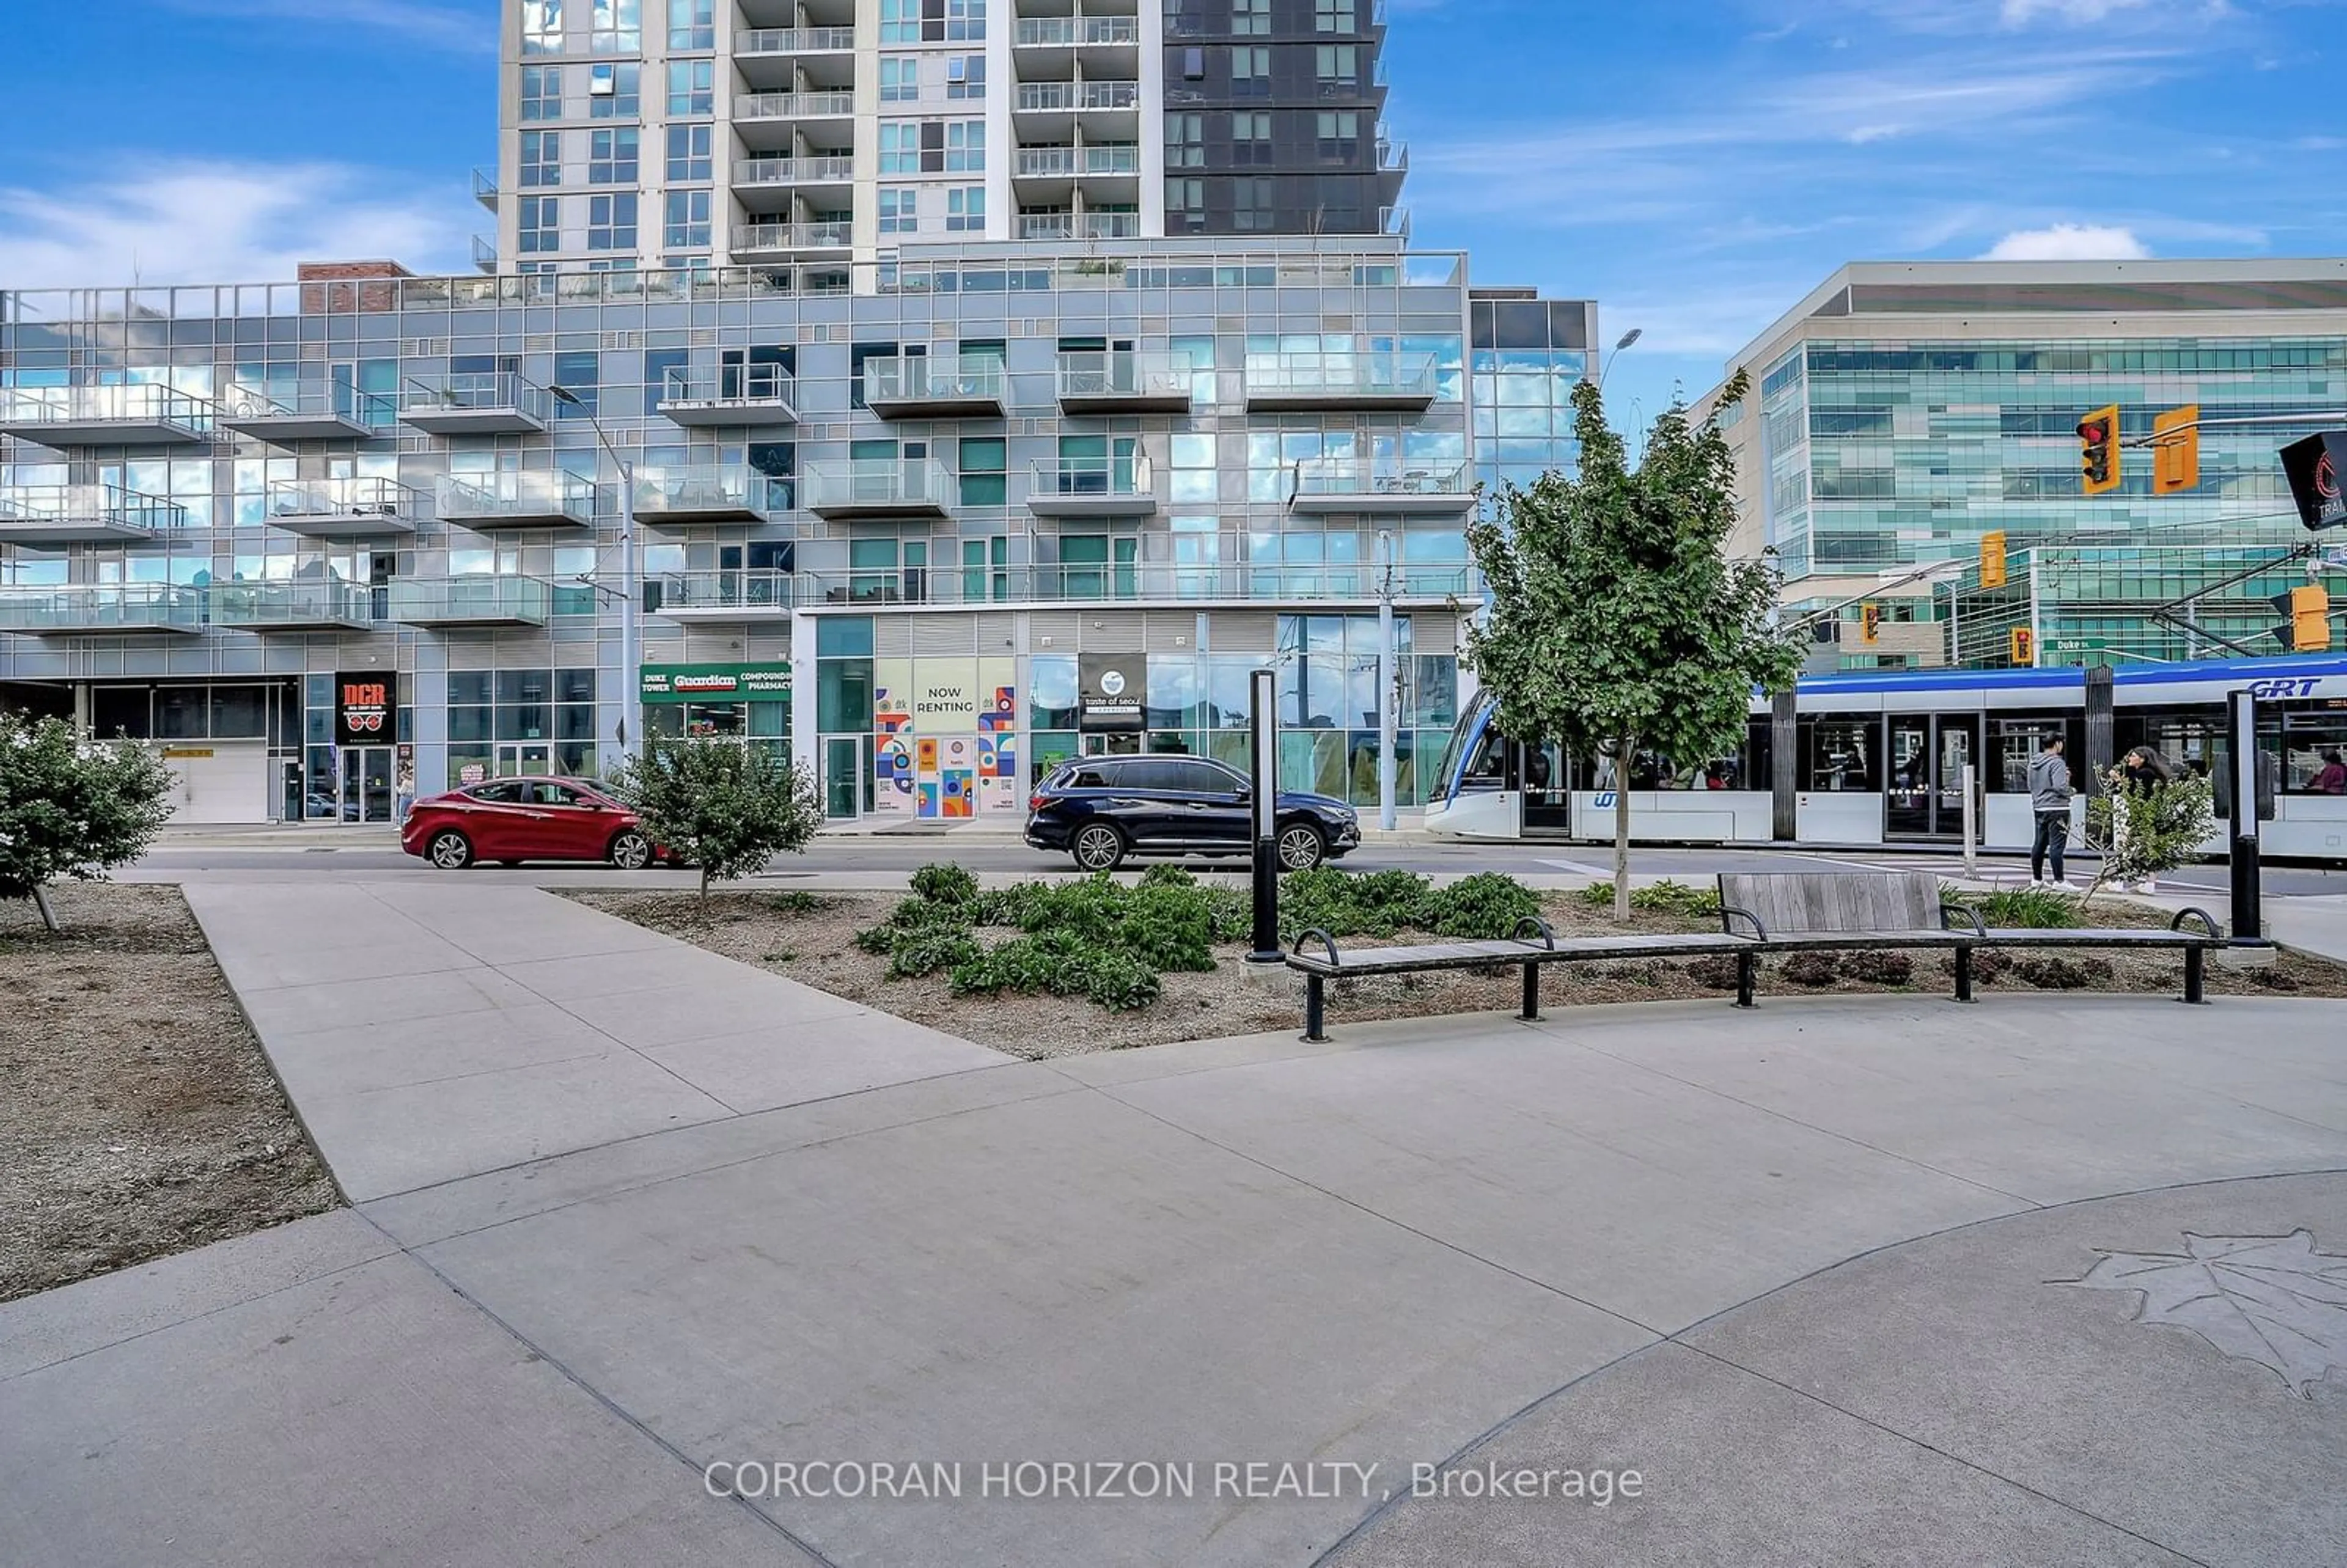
1622,830
49,916
704,893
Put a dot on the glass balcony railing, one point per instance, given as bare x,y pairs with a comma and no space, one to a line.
102,607
476,599
1133,580
933,378
79,514
127,413
794,40
1103,481
291,605
718,593
350,507
1337,379
713,492
1054,97
1052,31
306,410
1078,225
794,106
475,403
1067,162
1399,483
484,189
1125,377
540,497
813,169
877,486
729,395
830,234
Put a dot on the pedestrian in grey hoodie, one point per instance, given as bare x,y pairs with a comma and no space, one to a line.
2049,797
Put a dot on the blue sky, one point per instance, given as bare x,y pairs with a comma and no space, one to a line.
1696,165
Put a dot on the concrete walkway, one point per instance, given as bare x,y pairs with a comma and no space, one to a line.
1810,1271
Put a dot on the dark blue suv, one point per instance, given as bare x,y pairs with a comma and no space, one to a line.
1101,809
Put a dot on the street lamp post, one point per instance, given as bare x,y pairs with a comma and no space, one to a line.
1385,680
632,711
1623,341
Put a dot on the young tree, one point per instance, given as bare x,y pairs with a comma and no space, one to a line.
1617,623
72,808
720,805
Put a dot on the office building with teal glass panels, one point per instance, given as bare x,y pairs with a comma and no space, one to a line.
891,523
1903,411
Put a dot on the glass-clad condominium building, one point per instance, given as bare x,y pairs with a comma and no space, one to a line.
809,133
1901,411
921,533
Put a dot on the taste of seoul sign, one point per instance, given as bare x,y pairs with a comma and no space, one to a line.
714,682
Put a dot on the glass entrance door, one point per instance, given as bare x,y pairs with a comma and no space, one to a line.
524,759
1923,797
366,784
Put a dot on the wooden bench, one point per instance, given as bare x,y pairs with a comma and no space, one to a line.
1533,946
1797,910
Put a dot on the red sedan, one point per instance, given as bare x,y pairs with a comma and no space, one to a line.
513,820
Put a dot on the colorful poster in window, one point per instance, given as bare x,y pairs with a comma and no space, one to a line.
895,774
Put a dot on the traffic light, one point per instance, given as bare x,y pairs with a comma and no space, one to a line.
1870,622
2098,450
2020,646
2176,451
2308,630
1992,570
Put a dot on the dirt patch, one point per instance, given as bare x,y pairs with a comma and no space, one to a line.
139,1114
809,937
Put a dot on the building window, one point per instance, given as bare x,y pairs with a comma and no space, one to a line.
611,222
965,20
899,212
687,225
542,26
1250,17
541,92
983,479
1185,202
900,146
692,24
1333,16
618,27
1251,203
932,21
541,157
933,146
966,208
615,91
579,372
541,224
1186,141
1251,71
691,87
965,77
1336,65
964,147
611,157
688,152
901,79
1251,137
1340,136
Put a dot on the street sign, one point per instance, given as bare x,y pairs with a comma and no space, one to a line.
2313,467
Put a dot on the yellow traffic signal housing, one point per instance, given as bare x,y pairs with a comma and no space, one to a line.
2098,450
2308,630
2020,646
2176,451
1870,622
1992,570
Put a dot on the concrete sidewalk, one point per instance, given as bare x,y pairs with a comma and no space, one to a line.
1592,1242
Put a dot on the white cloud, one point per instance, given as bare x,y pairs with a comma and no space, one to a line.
2069,243
2019,13
224,224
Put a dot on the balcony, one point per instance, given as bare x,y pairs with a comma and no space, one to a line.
1077,98
1344,487
729,395
481,600
1121,381
135,413
878,487
344,508
718,493
1369,382
1078,225
1104,159
315,412
1233,579
1074,32
293,604
84,608
785,58
474,402
759,174
485,254
768,122
540,499
934,386
777,240
484,189
1092,488
49,516
724,595
1046,46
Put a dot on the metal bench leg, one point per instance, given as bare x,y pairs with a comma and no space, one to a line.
1964,974
2194,974
1315,1018
1745,967
1531,994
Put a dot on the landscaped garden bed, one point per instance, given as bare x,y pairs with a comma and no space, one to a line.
137,1112
1055,970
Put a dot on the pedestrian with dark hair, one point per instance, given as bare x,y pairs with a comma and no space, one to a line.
2049,798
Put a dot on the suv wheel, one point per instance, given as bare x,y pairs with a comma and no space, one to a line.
1096,847
450,850
631,850
1301,847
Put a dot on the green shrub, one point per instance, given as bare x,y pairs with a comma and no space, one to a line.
2054,973
1377,904
1487,905
945,884
1230,914
2038,908
795,902
910,914
1663,898
1062,964
1168,927
925,949
1163,875
1878,968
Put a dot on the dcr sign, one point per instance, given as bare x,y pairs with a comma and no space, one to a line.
2282,687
